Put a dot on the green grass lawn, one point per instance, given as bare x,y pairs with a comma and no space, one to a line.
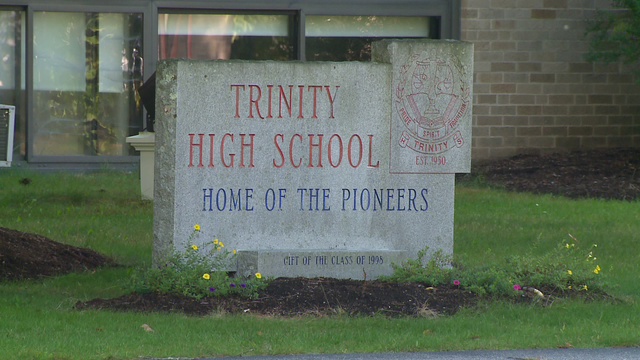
103,211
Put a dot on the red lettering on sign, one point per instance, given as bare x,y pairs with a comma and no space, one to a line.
291,150
250,146
329,152
224,163
301,87
355,136
331,98
269,111
311,146
253,101
275,141
286,103
211,149
191,146
237,98
315,91
370,145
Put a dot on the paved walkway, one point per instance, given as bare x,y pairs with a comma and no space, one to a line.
529,354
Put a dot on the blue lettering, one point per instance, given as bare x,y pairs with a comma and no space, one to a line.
424,193
283,193
377,199
346,194
301,191
400,197
266,199
412,199
224,203
325,197
389,197
312,196
248,195
368,199
235,203
210,197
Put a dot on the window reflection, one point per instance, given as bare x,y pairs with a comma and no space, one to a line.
348,38
86,68
12,71
224,36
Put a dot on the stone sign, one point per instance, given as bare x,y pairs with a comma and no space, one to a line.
300,167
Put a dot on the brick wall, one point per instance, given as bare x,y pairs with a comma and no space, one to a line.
533,92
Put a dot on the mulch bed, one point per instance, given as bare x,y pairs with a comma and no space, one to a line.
302,296
603,174
612,174
27,256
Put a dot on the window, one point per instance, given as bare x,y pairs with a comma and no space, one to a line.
348,38
12,71
226,36
86,68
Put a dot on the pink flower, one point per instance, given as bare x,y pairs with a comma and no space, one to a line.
516,287
456,282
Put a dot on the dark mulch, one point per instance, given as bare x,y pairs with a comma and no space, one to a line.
604,173
28,256
601,174
302,296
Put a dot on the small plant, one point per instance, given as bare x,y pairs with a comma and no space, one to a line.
434,272
196,272
562,269
565,268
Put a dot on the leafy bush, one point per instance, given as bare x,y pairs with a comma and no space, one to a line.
197,273
615,34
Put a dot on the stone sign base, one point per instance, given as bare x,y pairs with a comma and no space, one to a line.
354,264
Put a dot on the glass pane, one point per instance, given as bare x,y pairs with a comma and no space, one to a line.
12,71
206,36
348,38
86,69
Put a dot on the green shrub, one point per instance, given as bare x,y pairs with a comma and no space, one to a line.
562,269
196,272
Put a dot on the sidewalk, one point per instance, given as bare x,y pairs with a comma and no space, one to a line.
632,353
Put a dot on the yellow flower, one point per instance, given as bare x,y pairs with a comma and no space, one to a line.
233,251
196,226
258,275
569,287
221,244
206,276
219,248
215,241
584,287
567,246
570,272
597,269
194,247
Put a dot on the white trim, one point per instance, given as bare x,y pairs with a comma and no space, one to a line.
12,119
